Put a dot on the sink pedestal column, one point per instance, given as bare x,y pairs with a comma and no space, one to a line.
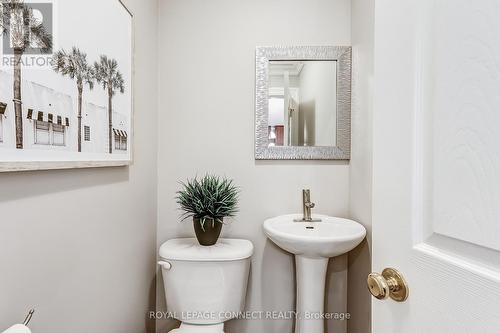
311,279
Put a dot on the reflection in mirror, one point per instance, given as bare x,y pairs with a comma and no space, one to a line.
302,103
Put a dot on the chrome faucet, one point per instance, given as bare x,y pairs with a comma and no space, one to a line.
307,205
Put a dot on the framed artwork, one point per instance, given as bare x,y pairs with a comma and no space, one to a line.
66,85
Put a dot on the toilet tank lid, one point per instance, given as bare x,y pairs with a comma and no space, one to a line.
190,250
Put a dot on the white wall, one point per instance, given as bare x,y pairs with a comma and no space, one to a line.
78,245
360,203
318,107
206,124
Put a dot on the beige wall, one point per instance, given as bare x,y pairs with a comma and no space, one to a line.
360,203
79,245
206,121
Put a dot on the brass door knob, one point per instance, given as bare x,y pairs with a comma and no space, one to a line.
390,283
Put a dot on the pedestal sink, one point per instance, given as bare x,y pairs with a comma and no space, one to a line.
313,243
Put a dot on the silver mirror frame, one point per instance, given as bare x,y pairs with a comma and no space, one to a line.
343,56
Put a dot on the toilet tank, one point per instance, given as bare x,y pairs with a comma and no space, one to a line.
205,284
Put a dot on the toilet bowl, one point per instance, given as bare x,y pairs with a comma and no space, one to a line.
205,285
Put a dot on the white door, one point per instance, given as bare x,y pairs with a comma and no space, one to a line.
436,176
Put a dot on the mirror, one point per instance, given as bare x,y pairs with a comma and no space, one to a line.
303,102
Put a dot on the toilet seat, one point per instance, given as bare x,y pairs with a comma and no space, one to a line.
189,328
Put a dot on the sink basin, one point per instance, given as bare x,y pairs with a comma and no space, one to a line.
331,237
313,243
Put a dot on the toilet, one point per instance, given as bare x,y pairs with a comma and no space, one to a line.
205,285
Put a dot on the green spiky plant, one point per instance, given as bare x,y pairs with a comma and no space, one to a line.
209,198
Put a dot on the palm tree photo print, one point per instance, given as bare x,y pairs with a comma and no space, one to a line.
51,113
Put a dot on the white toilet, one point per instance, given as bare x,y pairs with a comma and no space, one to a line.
205,285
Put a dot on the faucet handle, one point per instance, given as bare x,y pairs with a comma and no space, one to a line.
310,204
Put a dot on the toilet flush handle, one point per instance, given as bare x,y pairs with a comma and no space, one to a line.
165,265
